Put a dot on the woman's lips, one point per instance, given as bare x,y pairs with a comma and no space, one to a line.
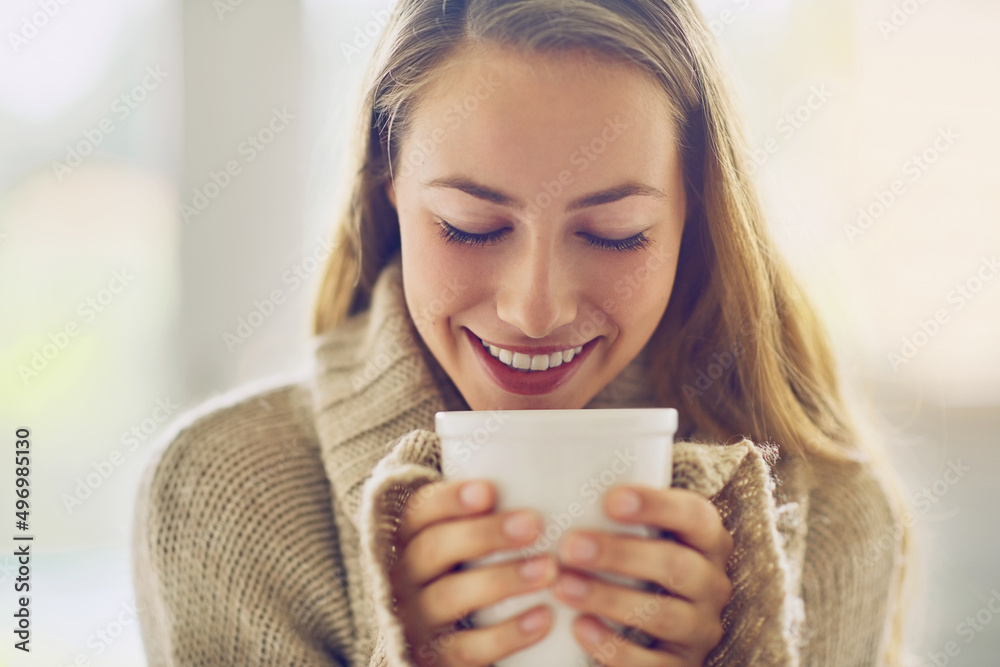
526,383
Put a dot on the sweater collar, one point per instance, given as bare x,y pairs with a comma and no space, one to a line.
376,380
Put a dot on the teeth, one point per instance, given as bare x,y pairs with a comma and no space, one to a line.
538,362
522,361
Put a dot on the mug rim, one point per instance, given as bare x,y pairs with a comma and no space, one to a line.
628,420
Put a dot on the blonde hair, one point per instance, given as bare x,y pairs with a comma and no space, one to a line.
736,320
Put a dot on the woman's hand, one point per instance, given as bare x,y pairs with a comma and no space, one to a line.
687,623
443,525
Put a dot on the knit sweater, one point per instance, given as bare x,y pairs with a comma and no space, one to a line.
264,524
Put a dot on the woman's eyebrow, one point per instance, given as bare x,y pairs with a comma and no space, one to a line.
616,193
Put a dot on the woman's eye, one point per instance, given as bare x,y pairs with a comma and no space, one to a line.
637,242
453,235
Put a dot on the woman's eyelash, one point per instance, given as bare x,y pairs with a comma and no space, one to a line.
637,242
452,235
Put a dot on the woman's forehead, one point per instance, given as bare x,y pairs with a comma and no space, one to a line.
527,124
467,62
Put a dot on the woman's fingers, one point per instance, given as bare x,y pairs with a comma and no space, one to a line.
686,626
687,514
674,566
448,523
440,547
440,501
693,568
612,650
484,646
451,598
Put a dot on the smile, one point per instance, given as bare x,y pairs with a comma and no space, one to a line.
499,365
532,363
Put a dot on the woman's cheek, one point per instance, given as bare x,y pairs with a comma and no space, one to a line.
628,283
441,282
639,288
421,276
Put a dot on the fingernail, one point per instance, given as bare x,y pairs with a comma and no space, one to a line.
573,586
590,631
535,569
580,549
625,502
474,494
520,526
534,620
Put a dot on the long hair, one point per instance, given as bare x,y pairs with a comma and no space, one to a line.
739,348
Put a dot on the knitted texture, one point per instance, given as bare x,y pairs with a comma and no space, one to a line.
265,524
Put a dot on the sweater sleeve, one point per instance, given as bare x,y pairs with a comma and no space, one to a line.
235,551
413,462
851,571
763,620
815,568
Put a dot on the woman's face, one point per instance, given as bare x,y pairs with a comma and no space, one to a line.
561,182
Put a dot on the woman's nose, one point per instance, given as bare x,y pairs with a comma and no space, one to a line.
536,294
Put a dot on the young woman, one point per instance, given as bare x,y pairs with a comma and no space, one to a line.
551,209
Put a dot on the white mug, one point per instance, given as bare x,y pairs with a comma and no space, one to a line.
560,463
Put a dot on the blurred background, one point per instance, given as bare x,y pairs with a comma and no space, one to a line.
167,167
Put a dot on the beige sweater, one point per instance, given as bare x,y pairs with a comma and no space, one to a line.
264,523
